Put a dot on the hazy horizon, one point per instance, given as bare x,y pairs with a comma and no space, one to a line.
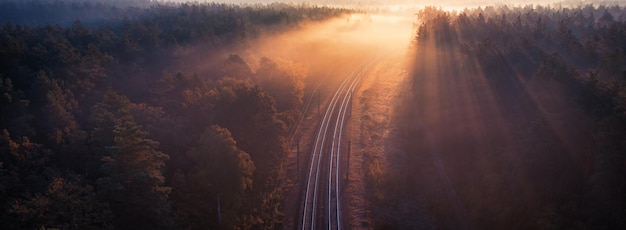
412,2
402,5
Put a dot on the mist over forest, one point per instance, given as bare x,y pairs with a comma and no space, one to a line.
184,115
513,117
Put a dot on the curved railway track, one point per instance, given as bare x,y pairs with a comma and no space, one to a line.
322,197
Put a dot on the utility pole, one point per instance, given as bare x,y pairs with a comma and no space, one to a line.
219,212
318,103
298,157
350,105
348,166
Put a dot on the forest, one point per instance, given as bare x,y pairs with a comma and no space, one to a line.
514,117
143,116
146,114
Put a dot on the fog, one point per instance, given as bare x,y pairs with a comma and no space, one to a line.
336,43
330,48
142,114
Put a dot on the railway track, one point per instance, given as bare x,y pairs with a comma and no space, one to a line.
321,206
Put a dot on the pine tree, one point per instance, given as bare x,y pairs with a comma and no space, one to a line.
221,176
133,182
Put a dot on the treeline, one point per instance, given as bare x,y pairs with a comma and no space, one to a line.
515,119
98,13
98,132
66,12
